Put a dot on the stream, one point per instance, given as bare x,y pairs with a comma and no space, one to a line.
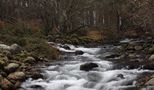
66,74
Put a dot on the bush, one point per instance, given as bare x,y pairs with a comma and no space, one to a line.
39,47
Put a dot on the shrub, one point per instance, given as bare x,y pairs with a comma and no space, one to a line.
39,47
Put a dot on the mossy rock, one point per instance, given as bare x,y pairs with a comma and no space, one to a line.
151,50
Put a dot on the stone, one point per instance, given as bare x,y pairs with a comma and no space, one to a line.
12,67
7,53
138,48
148,66
150,82
114,55
121,76
37,87
2,64
15,48
65,47
88,66
132,56
151,50
29,60
151,58
5,84
36,75
16,76
79,52
4,47
17,84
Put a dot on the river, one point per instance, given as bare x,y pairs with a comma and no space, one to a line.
66,74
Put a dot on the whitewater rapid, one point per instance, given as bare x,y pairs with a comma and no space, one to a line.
66,74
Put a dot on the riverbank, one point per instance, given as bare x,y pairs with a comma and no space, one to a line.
98,68
17,64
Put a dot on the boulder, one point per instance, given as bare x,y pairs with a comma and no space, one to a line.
88,66
151,50
79,52
2,64
29,60
114,55
5,84
138,48
132,56
7,53
148,66
15,48
12,67
37,87
16,76
150,82
36,75
17,84
4,74
151,58
4,47
65,47
121,76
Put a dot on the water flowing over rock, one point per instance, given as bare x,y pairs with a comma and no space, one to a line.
66,47
87,71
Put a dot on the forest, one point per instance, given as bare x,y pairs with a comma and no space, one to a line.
34,33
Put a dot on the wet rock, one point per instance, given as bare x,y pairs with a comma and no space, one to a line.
12,67
151,58
29,60
5,84
37,87
114,55
3,58
151,50
17,84
150,82
36,75
88,66
65,47
7,53
149,66
132,56
15,48
119,48
16,76
2,64
4,74
138,48
4,47
121,76
79,52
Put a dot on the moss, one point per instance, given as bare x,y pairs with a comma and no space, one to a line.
39,47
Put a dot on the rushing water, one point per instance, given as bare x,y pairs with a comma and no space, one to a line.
66,74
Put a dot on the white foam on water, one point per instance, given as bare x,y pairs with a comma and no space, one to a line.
79,48
68,76
126,40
